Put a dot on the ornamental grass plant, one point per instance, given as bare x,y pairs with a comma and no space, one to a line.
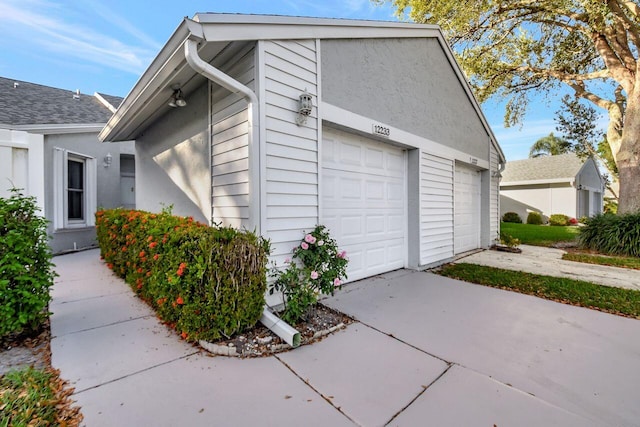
612,234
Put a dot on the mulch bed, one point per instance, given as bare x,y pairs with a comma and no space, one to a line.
261,342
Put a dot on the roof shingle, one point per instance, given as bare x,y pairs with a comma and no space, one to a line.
542,168
24,103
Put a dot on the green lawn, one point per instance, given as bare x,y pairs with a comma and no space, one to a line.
623,302
615,261
539,235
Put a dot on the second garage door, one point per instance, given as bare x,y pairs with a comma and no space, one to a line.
466,209
364,201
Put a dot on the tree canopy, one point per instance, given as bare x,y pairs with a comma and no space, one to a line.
549,145
511,48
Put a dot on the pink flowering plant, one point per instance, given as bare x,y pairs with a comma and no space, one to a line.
317,266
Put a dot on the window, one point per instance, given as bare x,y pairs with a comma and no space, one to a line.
74,189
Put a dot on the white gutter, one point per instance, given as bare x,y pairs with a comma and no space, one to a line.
275,324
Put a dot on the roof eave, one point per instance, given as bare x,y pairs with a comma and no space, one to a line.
56,129
147,84
569,180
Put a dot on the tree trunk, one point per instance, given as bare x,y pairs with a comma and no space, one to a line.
628,158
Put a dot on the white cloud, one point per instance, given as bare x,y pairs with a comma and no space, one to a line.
122,24
40,23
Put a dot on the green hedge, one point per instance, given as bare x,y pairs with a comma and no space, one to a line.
612,234
207,282
559,220
512,217
534,218
25,265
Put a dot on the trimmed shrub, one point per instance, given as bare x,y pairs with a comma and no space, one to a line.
558,220
508,240
206,282
511,217
534,218
25,265
612,234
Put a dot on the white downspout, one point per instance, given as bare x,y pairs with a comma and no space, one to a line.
232,85
278,326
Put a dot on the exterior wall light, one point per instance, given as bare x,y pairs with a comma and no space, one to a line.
106,162
177,99
305,105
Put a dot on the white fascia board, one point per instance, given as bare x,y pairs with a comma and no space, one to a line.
153,79
538,182
247,32
51,129
364,125
300,21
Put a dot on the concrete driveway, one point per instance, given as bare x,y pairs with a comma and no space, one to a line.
426,350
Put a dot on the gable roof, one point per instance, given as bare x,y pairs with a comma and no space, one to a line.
561,168
24,104
224,34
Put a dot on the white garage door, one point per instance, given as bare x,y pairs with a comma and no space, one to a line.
364,201
467,209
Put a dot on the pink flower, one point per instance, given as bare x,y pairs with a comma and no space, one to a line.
337,282
320,242
309,239
304,245
314,275
342,254
287,261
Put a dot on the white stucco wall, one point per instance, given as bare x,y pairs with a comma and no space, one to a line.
21,160
405,82
172,161
548,198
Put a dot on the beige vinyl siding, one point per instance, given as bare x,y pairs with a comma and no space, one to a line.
494,195
436,209
291,186
229,146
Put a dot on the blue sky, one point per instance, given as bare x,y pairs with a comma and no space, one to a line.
104,46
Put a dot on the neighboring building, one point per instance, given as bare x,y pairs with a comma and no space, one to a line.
395,156
49,147
563,184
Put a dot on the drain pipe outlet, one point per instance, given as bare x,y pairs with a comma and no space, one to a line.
280,328
271,321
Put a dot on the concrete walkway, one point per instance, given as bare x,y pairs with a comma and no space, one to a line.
549,262
426,350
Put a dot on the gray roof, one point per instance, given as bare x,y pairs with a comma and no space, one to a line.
113,100
24,103
564,166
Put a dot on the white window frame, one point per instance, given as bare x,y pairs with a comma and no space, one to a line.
61,219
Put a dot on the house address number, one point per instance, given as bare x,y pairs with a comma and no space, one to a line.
382,131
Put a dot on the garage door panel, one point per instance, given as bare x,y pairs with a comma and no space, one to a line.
467,209
375,190
366,208
374,158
